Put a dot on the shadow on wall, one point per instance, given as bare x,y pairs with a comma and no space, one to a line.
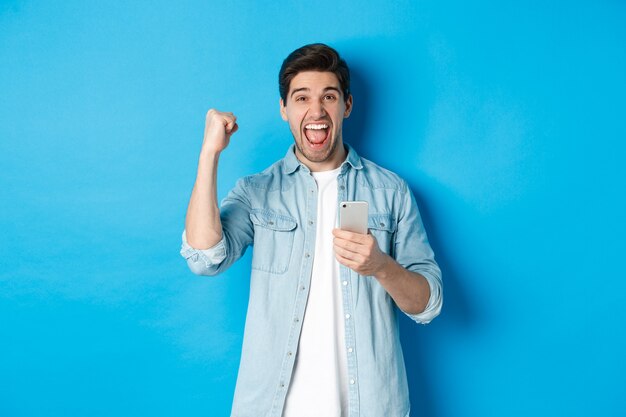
356,126
420,344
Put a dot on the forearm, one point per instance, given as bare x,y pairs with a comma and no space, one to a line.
408,289
360,252
202,224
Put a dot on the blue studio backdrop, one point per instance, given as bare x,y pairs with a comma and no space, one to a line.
507,120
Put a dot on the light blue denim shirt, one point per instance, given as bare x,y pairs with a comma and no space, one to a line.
275,211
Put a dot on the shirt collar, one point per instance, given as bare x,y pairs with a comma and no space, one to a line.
291,163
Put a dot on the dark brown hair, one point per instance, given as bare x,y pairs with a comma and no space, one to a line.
313,57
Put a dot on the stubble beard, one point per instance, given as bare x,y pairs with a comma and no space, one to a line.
314,157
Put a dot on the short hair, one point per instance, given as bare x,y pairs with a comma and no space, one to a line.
313,57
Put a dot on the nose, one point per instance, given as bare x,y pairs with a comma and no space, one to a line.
316,109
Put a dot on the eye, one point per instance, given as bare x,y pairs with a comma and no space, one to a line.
330,97
300,98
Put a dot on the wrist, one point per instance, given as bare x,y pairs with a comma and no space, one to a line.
385,271
209,155
210,150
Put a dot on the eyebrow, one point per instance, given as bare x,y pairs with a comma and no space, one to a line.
308,89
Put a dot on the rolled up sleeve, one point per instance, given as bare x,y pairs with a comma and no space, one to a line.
413,252
435,302
203,261
237,235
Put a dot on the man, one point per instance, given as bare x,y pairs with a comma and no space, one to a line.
321,336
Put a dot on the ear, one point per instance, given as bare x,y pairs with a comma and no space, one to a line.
283,110
348,110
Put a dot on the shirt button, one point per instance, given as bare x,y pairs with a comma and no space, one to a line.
297,320
352,381
347,316
310,222
349,350
341,187
288,353
302,288
306,255
345,283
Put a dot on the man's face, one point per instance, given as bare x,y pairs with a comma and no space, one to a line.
315,109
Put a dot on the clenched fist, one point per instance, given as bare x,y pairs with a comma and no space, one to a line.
218,129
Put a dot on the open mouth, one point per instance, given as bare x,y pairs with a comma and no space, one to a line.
317,134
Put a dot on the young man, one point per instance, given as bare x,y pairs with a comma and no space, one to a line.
321,336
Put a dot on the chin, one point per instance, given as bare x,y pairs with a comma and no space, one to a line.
319,156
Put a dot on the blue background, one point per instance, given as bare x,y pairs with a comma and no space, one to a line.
507,120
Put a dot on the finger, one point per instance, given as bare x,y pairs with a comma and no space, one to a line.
344,261
215,117
344,252
216,114
352,256
228,122
350,246
355,237
344,234
228,119
347,262
232,129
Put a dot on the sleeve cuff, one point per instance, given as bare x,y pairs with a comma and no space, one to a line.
433,308
212,256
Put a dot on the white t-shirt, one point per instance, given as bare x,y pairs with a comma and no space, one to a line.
319,384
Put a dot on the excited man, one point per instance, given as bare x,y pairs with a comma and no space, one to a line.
321,336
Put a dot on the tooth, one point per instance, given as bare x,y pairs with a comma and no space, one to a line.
316,126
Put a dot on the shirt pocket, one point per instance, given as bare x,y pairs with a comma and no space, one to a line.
382,226
273,241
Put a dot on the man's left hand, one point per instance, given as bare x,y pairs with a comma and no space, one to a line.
359,252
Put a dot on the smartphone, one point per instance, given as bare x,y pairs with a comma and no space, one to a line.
353,216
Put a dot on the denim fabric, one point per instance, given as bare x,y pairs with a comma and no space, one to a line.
275,211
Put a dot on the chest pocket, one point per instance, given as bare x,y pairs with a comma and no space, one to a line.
382,226
273,241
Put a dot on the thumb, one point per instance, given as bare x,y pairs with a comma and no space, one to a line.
232,128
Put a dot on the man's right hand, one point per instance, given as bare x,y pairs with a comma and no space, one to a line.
218,129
